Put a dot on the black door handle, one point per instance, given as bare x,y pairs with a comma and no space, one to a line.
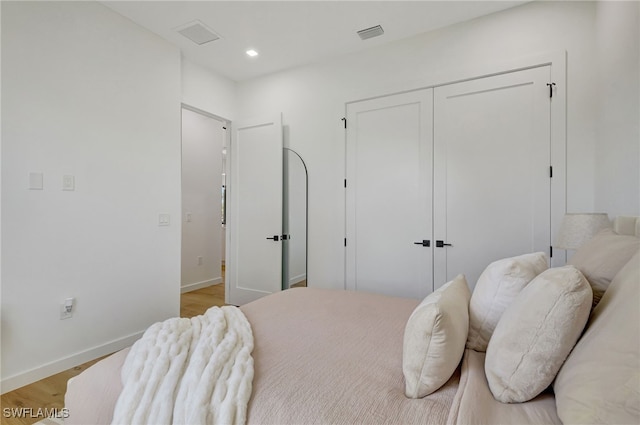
285,237
440,244
275,238
424,242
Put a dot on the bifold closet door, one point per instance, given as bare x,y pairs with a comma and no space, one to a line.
255,215
491,171
388,195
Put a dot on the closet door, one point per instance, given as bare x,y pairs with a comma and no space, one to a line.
388,195
491,171
254,268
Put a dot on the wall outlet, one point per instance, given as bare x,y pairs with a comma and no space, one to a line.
68,182
66,309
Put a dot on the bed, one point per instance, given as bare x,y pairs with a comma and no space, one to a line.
340,357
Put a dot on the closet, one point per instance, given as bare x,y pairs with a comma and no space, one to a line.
444,180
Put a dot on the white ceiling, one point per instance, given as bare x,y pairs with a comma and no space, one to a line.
293,33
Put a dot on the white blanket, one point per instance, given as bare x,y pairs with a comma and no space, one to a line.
189,371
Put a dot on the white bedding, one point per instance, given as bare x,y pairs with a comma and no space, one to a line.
320,356
189,371
329,357
475,405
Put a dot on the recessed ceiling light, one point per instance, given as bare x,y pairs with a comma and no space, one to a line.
252,53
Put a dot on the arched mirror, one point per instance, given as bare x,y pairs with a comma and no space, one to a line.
294,220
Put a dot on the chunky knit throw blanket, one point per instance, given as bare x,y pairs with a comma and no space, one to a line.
189,371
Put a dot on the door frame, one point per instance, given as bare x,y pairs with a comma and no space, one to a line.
225,143
556,60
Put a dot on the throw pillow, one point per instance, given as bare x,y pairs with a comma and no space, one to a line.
536,333
600,382
496,288
434,338
602,257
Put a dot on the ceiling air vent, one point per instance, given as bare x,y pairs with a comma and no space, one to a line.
371,32
197,32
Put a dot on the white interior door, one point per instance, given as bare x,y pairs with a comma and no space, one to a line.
388,195
491,171
254,266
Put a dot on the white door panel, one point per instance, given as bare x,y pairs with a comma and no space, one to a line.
389,192
256,207
491,169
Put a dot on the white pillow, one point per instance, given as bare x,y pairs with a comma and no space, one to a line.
496,288
600,381
536,334
602,257
434,338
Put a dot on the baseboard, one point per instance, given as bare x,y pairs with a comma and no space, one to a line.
296,279
20,380
199,285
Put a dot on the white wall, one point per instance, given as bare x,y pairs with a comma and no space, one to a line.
207,91
312,101
202,141
85,92
617,189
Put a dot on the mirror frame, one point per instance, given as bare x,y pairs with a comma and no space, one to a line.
285,209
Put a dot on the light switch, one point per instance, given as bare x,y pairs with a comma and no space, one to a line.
36,181
68,182
188,217
164,219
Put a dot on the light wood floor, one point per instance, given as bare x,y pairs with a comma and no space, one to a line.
301,284
49,392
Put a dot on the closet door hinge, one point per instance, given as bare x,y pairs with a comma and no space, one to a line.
345,182
345,241
550,252
344,120
551,89
551,171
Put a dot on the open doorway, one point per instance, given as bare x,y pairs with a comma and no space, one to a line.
204,139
